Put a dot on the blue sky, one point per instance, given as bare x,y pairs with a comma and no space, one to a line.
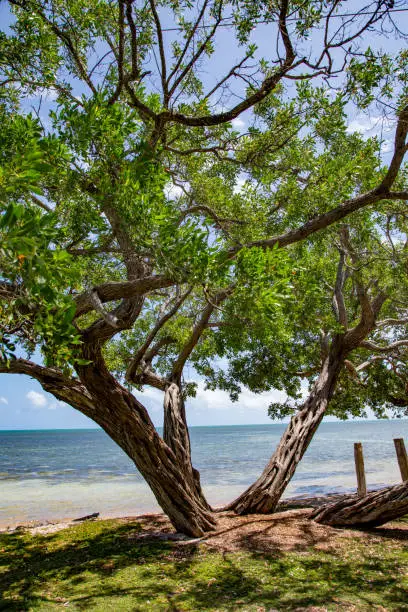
24,404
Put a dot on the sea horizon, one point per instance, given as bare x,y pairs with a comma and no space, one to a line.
283,422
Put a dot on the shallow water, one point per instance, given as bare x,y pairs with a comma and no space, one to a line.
69,473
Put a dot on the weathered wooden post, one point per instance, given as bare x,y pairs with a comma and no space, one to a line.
359,461
402,458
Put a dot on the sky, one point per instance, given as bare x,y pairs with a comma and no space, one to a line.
25,405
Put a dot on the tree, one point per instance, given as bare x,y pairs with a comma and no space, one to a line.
121,284
350,356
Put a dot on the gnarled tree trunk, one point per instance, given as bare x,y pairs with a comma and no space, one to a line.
263,496
127,422
372,510
177,437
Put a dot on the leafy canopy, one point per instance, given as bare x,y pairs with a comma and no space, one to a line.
138,218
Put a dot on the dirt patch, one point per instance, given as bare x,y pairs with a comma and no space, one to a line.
283,531
288,530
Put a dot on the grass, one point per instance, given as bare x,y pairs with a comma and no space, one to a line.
102,566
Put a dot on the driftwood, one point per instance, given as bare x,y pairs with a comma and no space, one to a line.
88,517
372,510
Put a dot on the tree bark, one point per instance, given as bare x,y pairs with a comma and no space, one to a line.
127,422
263,495
372,510
177,437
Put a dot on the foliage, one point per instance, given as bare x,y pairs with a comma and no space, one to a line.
30,248
135,172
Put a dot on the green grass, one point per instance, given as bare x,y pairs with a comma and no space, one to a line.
100,566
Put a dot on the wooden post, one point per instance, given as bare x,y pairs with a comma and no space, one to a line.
359,461
402,458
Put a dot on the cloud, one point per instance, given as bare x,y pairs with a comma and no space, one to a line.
151,398
239,185
55,405
48,93
3,400
238,123
174,192
218,400
248,401
386,146
371,126
37,399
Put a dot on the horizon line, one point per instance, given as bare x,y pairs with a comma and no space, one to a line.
357,420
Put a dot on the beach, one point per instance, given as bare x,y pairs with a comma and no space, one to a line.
64,474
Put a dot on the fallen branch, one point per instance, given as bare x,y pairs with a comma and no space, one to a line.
372,510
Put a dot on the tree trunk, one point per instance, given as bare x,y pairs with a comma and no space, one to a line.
263,496
177,437
372,510
127,422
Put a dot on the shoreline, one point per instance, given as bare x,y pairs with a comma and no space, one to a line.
45,526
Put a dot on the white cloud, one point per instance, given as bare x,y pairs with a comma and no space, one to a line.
386,146
48,93
55,405
357,125
238,123
248,401
371,126
239,185
3,400
153,396
174,192
37,399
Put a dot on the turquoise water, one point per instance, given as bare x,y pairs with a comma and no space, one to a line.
67,473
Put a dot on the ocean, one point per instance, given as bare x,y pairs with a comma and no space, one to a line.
58,474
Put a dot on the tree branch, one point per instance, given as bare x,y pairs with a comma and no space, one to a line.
318,223
383,349
367,363
109,292
133,41
39,203
9,291
66,389
188,41
131,371
378,194
198,53
338,297
63,37
231,73
120,56
198,329
386,322
163,73
210,213
400,148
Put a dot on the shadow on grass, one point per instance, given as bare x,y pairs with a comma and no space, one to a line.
392,533
69,556
103,566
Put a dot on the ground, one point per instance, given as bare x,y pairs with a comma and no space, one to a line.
257,563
